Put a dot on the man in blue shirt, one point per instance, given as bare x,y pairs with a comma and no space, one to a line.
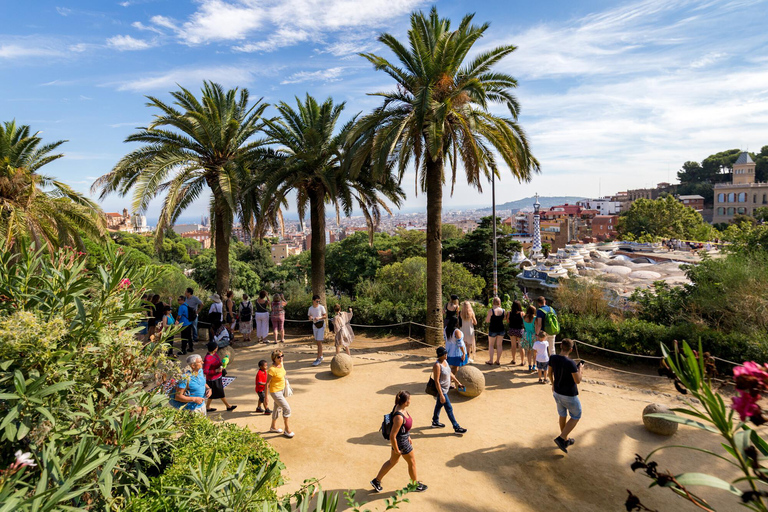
194,306
186,324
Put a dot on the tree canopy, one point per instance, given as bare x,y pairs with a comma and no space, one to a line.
34,206
665,217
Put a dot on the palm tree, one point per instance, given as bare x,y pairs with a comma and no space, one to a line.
37,207
438,113
318,166
191,146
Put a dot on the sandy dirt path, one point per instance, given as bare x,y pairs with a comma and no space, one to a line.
506,461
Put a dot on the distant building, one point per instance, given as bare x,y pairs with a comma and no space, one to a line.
604,227
185,228
650,193
119,221
282,251
741,196
466,226
201,235
241,235
696,202
139,224
603,205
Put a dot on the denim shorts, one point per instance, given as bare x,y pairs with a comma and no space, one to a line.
542,365
494,334
568,405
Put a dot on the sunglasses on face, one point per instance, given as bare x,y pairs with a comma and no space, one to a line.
280,357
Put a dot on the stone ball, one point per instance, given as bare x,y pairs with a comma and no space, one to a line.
658,425
473,379
341,365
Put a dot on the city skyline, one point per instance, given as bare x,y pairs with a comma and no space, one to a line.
614,96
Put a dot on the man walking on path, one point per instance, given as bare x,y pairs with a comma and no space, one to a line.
195,305
541,317
565,374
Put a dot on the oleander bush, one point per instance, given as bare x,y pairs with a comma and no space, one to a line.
639,336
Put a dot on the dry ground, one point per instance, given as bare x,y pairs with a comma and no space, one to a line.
507,460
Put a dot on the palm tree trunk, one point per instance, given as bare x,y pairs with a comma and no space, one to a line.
317,246
221,244
434,250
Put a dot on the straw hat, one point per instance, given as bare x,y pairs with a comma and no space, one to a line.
215,298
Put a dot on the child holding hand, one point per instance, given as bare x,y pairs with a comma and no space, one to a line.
261,382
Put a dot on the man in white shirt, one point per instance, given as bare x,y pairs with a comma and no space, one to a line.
317,315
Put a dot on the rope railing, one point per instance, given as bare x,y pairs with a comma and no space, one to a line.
410,324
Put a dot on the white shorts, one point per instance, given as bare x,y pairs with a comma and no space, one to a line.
319,332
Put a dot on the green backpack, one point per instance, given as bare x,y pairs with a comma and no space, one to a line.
551,323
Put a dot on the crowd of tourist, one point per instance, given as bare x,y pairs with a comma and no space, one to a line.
531,330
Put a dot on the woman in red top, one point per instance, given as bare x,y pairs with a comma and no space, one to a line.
212,371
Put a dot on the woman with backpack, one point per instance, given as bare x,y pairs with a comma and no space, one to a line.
399,426
245,318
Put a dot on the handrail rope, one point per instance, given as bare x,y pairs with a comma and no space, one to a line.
374,326
624,371
643,356
727,361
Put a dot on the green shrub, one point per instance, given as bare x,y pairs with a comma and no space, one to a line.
638,336
237,449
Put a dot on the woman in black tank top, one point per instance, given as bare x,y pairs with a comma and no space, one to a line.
495,321
516,331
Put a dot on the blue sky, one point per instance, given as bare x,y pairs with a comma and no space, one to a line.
614,95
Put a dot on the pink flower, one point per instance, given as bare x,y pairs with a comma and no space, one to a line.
125,283
750,368
746,405
23,459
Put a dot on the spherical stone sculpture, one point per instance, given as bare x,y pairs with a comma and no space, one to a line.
658,425
341,365
473,379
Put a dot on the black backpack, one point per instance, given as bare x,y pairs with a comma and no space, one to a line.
191,313
386,424
245,312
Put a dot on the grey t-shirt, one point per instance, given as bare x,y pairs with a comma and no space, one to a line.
445,377
193,302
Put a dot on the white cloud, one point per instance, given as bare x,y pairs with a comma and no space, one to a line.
78,48
64,11
217,20
140,26
275,21
128,43
15,51
164,22
228,76
281,38
323,75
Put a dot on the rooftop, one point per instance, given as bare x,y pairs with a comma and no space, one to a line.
744,158
691,197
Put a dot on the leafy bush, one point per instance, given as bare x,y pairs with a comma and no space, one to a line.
582,297
638,336
234,450
72,382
